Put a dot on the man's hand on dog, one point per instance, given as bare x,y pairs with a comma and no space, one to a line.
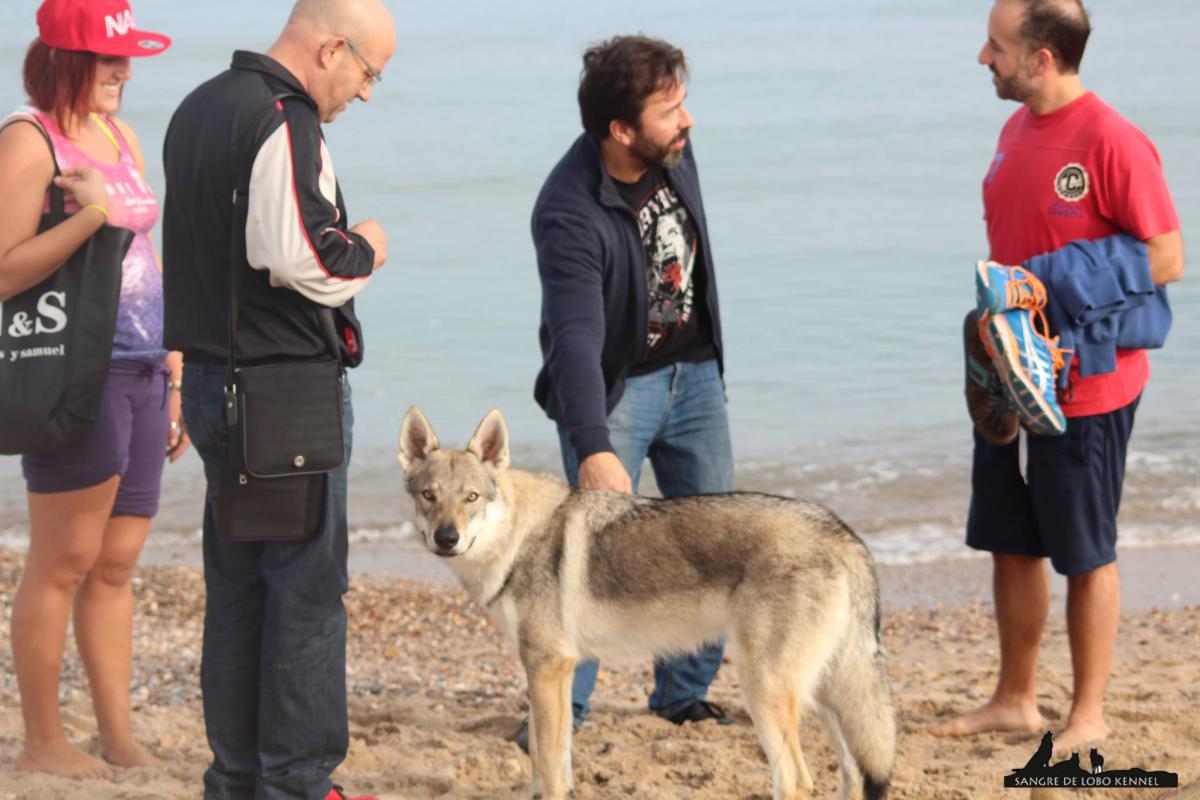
604,472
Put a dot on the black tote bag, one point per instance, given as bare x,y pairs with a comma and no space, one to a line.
56,340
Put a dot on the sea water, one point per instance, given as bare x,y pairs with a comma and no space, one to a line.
841,148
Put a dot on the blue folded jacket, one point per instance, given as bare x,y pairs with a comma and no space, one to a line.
1101,298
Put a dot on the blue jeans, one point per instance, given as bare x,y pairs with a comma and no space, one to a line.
676,417
273,670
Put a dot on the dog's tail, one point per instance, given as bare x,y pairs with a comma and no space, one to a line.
856,701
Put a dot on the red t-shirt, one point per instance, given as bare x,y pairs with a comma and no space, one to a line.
1081,172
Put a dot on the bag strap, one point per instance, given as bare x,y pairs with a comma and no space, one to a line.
241,206
57,195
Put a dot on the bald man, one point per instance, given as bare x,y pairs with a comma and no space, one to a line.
1067,168
273,672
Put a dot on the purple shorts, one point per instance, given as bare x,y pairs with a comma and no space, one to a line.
129,439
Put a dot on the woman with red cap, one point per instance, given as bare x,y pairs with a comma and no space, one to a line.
90,504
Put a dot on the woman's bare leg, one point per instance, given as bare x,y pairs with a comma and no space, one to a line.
66,530
104,633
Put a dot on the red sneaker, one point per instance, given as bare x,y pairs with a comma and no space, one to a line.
336,794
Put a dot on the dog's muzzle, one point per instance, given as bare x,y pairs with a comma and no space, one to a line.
446,538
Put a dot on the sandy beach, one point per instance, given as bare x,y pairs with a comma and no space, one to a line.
435,695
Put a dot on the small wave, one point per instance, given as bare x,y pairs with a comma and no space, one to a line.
910,508
924,544
917,544
14,538
1157,535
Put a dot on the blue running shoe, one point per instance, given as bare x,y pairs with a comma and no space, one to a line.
999,288
1028,362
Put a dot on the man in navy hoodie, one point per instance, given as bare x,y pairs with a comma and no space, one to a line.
630,332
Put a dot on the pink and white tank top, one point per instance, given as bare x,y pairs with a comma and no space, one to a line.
132,205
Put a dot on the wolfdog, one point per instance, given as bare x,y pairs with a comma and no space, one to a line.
570,574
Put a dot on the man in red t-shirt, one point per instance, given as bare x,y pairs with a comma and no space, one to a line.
1067,167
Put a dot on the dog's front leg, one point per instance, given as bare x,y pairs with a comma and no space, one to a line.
550,725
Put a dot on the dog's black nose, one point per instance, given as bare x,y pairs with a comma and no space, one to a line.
446,537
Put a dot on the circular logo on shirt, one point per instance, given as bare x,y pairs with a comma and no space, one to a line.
1071,183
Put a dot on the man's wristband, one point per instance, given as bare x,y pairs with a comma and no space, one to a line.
176,386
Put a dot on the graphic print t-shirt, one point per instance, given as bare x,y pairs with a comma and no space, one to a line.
677,326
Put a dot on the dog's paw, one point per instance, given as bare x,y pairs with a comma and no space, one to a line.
560,794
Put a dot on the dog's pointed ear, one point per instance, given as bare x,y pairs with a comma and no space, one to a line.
417,439
490,441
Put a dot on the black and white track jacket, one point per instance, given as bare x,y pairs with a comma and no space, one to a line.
253,128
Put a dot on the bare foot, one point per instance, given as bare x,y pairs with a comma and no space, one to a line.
63,759
1078,735
992,717
130,754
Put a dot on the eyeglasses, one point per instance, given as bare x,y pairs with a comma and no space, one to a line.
376,75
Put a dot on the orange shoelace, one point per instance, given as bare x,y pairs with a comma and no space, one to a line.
1043,331
1024,290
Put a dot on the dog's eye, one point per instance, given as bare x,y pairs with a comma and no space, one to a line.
472,497
428,495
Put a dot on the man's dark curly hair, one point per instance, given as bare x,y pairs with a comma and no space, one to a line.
619,74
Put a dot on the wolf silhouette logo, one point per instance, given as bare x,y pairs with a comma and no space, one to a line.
1070,774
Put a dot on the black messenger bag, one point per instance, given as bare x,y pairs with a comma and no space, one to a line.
56,339
281,433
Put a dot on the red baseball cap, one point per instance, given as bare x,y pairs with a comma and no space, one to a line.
104,27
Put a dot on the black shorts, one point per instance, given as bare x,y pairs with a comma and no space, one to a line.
1068,509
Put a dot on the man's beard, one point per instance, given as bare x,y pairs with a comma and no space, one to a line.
665,156
1018,86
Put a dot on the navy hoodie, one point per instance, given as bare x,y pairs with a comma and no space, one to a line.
1101,298
592,267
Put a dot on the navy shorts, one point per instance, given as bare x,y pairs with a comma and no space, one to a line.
1068,509
129,439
